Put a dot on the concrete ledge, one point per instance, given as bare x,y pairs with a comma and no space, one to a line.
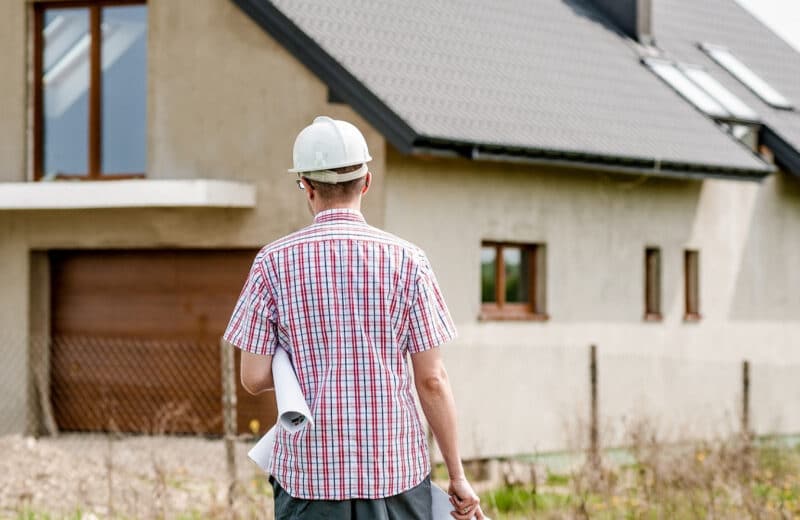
137,193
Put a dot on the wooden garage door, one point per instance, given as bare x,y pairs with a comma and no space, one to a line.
136,341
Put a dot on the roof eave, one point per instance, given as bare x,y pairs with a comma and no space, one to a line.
586,161
330,72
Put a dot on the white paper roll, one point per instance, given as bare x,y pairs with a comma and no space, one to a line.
293,411
261,453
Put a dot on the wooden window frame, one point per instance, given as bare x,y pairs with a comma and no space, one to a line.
691,285
652,284
95,137
536,308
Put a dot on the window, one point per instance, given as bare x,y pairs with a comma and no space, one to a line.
90,88
691,269
702,90
735,106
513,281
652,284
687,88
746,75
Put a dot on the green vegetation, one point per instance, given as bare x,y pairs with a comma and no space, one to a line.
727,479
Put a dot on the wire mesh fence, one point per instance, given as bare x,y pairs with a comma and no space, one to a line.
138,386
131,428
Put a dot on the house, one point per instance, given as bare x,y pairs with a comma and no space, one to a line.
618,173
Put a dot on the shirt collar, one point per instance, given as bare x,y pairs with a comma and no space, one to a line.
339,214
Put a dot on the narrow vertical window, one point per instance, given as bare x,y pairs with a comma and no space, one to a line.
691,268
539,280
652,284
90,89
513,281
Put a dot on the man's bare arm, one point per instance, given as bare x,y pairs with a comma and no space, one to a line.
256,373
436,398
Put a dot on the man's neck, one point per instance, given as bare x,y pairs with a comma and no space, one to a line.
356,205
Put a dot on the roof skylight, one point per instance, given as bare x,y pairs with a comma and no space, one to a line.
725,97
673,76
745,74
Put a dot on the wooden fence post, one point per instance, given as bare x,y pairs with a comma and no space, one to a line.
228,373
746,399
594,434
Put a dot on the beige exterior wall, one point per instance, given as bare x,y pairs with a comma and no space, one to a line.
518,384
12,90
225,101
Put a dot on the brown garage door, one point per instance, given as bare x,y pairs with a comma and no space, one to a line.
136,341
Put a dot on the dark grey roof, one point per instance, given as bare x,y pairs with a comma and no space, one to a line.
548,78
679,25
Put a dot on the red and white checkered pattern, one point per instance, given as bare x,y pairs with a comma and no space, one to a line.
346,301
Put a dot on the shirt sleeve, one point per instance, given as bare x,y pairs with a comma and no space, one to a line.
430,322
253,325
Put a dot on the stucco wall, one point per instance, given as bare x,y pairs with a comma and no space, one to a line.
13,330
519,384
12,90
224,101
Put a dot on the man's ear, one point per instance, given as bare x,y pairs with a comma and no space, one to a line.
367,182
310,192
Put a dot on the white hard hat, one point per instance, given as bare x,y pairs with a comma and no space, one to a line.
327,144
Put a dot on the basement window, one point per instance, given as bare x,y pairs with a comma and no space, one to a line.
746,75
513,281
702,90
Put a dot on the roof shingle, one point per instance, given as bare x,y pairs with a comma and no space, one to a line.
521,74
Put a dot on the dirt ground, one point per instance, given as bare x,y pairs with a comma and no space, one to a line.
86,476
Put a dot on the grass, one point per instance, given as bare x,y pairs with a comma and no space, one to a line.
730,478
727,479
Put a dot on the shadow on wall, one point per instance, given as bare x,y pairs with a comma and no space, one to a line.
767,284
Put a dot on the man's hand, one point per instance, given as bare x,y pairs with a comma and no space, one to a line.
466,504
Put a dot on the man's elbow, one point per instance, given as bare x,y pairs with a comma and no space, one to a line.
256,384
434,384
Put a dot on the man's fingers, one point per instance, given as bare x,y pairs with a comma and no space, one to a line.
468,510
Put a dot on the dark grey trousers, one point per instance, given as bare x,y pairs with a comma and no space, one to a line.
414,504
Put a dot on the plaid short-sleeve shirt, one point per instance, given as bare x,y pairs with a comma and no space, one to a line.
347,302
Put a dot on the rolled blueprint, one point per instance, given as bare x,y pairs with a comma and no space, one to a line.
293,412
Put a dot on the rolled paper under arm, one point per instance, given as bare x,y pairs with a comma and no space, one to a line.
293,411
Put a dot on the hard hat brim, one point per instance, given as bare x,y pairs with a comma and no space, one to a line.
330,167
